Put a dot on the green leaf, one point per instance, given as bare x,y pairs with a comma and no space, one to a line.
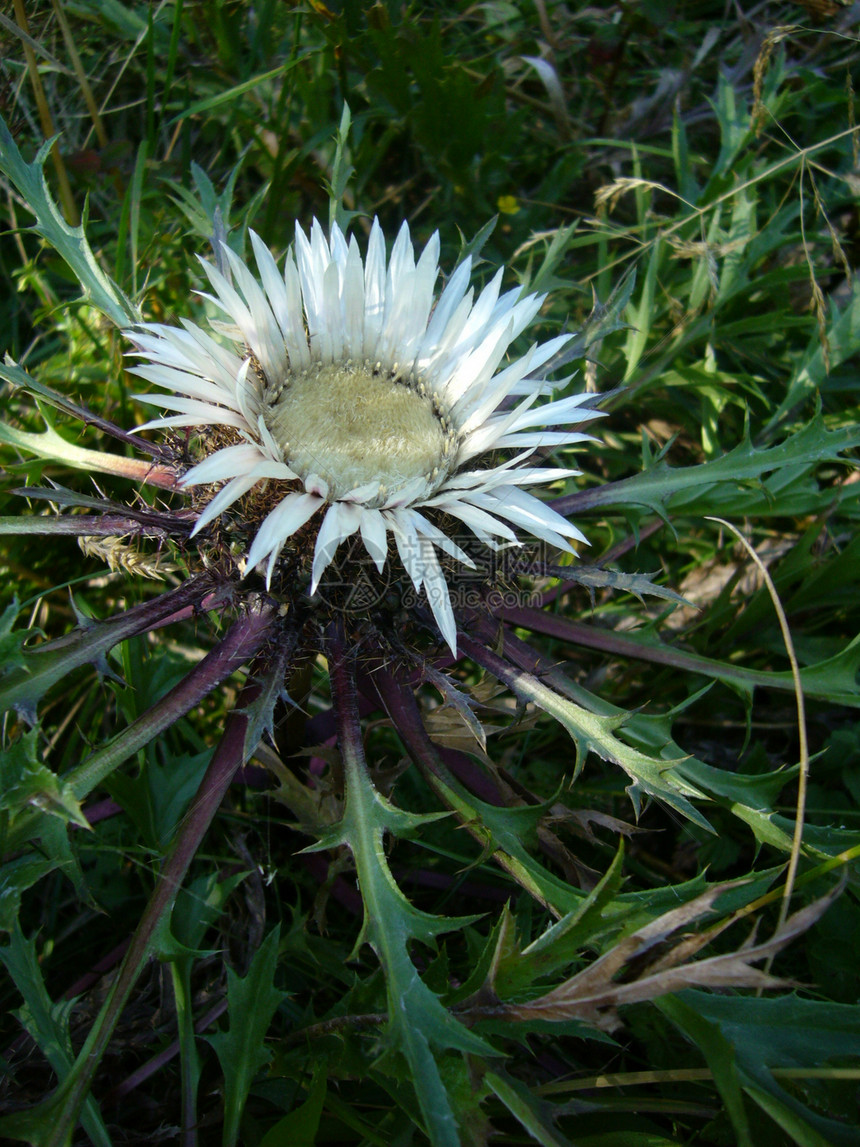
833,679
545,278
640,315
528,1111
720,1056
270,679
47,1023
342,172
500,832
591,732
735,128
51,445
176,940
790,1033
418,1021
251,1004
299,1128
595,577
16,876
811,373
69,242
474,246
209,103
564,940
12,654
158,797
199,905
26,783
748,797
688,490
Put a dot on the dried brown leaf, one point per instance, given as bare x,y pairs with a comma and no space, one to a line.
626,975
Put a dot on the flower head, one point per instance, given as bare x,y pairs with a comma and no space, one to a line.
367,404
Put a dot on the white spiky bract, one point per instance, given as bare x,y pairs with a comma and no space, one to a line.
349,380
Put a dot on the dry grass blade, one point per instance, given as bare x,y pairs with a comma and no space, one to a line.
803,779
70,209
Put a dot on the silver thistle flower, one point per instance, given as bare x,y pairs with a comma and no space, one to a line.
371,401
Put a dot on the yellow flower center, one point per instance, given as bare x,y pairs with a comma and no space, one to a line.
355,423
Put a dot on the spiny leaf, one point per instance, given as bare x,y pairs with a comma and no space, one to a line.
270,678
342,172
51,445
833,679
459,701
604,319
26,783
499,831
592,732
69,242
563,941
663,487
17,377
418,1021
12,641
545,279
748,797
595,577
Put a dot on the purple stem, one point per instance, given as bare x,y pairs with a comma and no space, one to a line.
90,418
153,1065
398,693
49,663
344,695
486,658
624,645
403,709
426,878
139,619
101,810
239,644
209,602
321,729
230,754
182,520
522,655
95,525
471,775
97,971
610,494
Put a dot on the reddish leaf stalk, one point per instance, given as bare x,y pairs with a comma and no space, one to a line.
230,754
608,641
96,525
241,642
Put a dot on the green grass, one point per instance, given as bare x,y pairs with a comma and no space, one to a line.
682,182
